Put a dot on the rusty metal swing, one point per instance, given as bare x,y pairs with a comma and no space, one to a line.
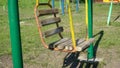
63,44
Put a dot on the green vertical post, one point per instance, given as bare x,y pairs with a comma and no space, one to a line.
110,12
13,13
90,27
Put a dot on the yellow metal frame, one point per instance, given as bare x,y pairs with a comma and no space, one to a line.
40,32
71,25
71,22
86,17
37,2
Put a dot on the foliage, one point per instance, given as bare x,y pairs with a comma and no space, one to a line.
3,2
32,47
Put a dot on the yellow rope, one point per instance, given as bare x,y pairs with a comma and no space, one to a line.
86,17
71,25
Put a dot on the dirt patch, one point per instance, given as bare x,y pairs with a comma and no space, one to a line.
5,61
52,59
47,59
111,57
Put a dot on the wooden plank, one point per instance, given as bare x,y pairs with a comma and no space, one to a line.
54,44
61,41
53,31
78,41
50,21
43,4
64,44
67,44
48,12
85,44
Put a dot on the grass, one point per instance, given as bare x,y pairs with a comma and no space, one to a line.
35,54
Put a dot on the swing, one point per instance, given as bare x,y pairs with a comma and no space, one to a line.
64,44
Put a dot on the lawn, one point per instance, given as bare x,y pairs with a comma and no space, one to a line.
36,56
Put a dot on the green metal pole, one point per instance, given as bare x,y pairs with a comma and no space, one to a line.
110,12
13,13
90,27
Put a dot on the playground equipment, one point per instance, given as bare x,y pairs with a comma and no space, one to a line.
15,30
15,33
62,5
63,44
108,1
110,12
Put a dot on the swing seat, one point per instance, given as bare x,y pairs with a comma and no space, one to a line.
66,43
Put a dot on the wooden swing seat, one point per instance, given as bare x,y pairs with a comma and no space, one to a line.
66,43
63,43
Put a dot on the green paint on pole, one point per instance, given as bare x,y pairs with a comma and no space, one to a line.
90,27
109,14
13,13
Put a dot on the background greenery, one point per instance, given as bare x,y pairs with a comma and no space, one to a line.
33,52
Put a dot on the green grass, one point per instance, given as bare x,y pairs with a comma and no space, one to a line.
4,33
32,47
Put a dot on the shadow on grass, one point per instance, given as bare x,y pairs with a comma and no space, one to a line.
101,33
116,18
71,59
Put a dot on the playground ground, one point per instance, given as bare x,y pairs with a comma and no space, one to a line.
35,56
